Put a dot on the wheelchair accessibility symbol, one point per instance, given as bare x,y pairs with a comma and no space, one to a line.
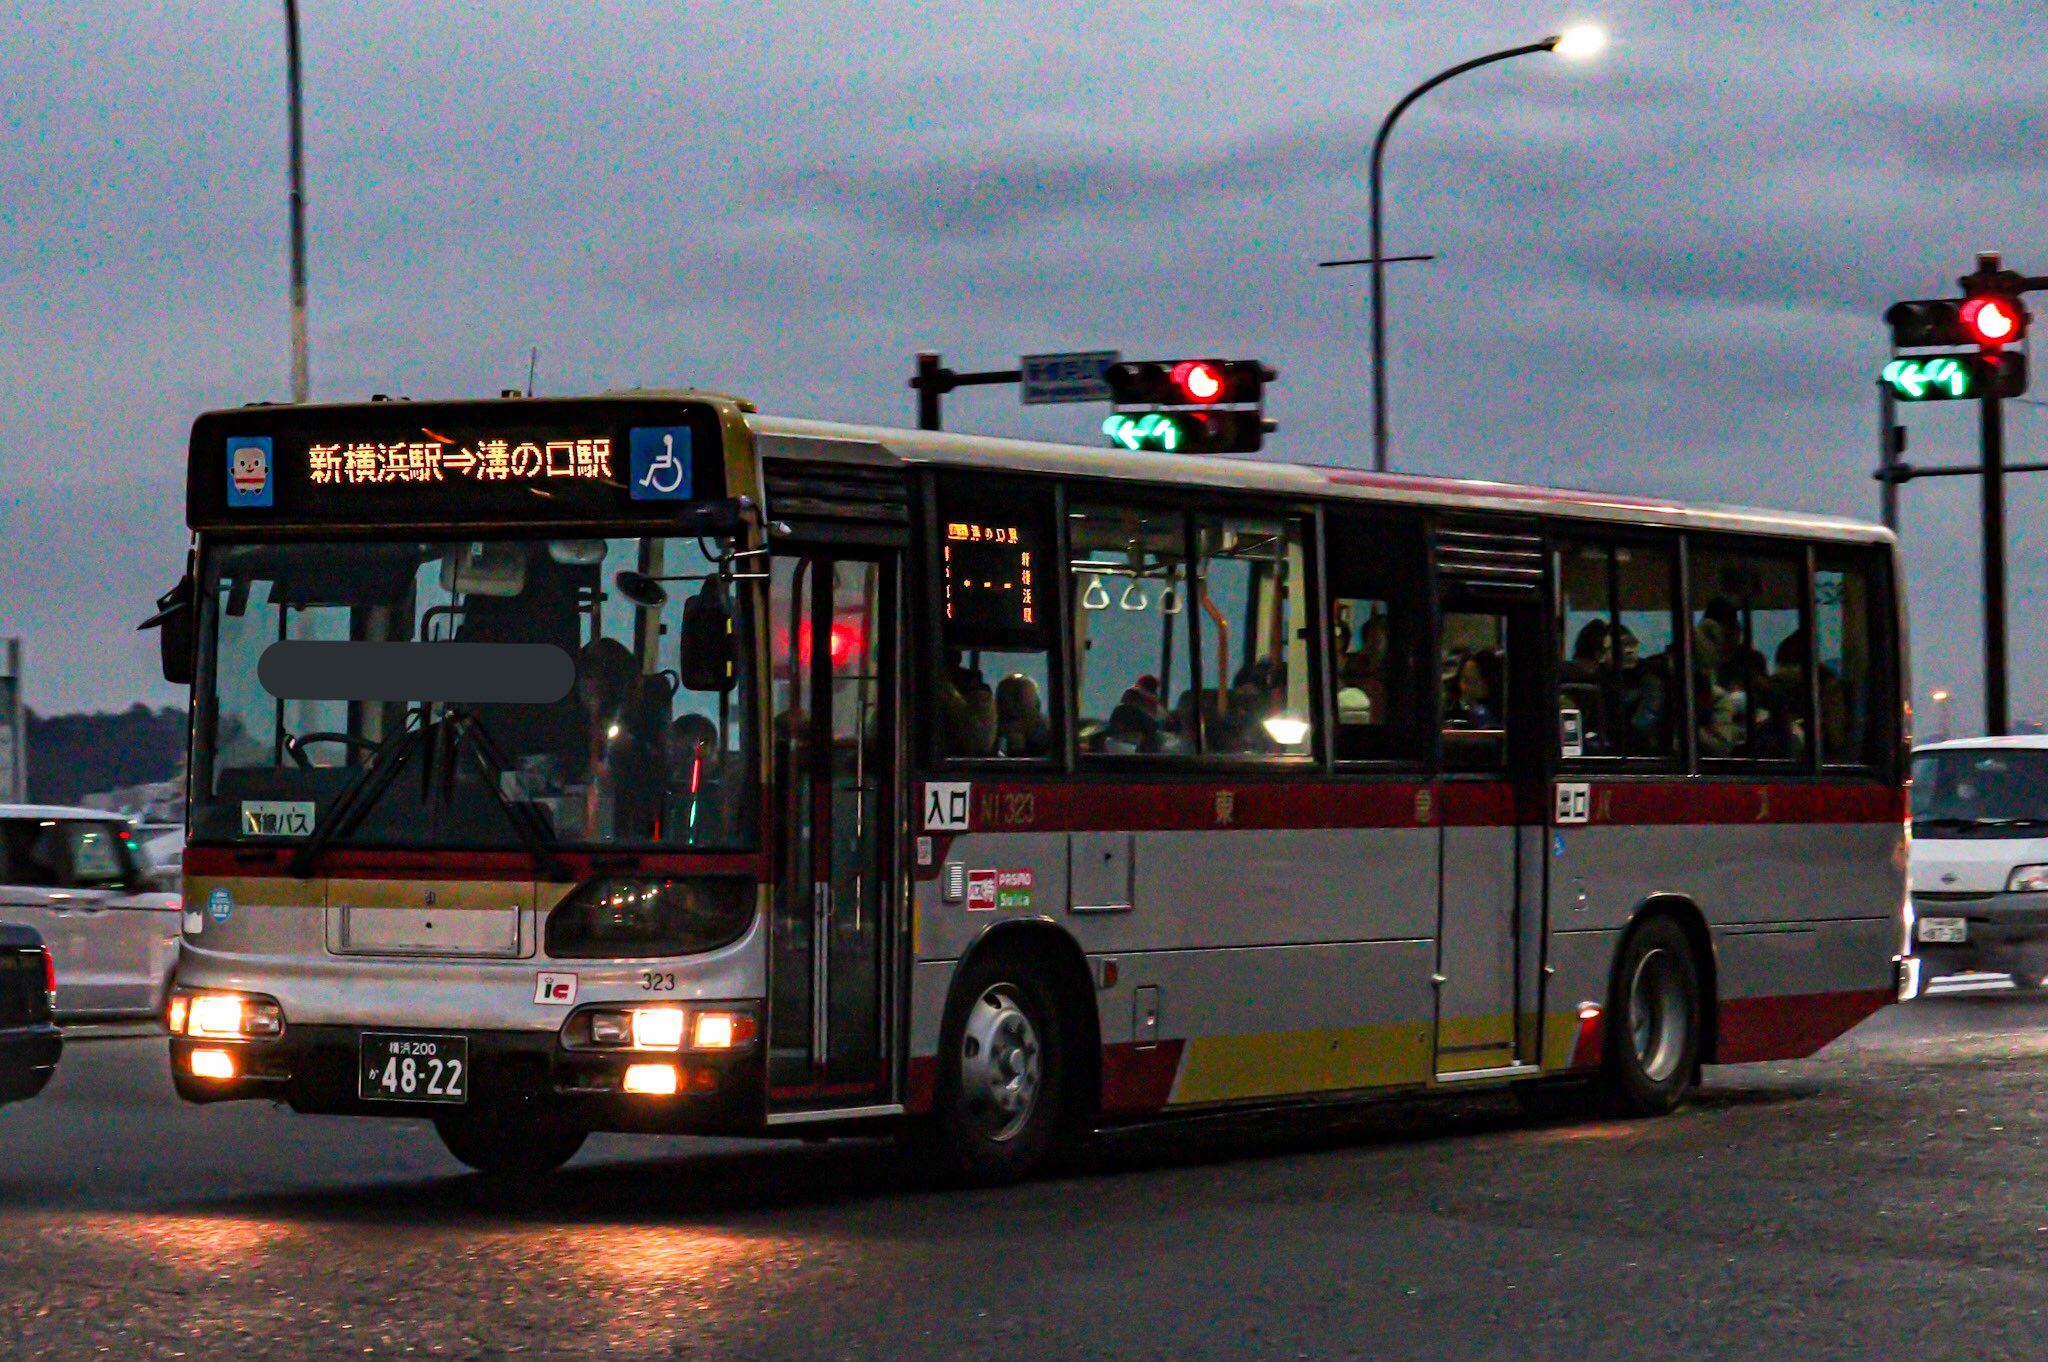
660,460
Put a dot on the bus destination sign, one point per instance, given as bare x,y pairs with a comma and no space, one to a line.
543,460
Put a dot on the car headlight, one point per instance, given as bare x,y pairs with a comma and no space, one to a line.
2027,879
225,1016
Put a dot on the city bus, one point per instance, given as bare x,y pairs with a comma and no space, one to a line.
644,763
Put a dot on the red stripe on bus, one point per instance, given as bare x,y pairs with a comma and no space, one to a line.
366,863
1137,1078
920,1078
1228,806
1791,1026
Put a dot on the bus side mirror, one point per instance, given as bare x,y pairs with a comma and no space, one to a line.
176,632
707,641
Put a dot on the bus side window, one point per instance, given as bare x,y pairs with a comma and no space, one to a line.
1618,668
1252,679
1375,624
1128,579
1845,620
992,696
1751,650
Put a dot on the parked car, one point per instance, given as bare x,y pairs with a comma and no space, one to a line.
1980,857
75,876
29,1043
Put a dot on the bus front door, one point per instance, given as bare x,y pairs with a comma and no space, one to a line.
833,655
1492,863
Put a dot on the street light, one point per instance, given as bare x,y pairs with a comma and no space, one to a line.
1575,44
302,379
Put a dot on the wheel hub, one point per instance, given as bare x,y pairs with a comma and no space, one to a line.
1659,1015
999,1065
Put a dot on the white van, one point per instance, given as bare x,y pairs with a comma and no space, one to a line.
1980,857
76,876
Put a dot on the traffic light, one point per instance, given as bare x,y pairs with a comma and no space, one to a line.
1945,378
1188,406
1992,320
1187,382
1926,322
1187,432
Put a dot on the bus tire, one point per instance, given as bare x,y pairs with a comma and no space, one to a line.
501,1143
1653,1031
1002,1069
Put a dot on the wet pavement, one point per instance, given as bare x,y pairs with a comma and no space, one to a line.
1887,1199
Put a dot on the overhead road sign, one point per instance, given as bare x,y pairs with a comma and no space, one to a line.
1078,376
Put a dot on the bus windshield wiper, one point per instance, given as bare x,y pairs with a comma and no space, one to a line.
461,732
362,791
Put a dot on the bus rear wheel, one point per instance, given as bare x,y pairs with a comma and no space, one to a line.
1002,1070
509,1143
1653,1022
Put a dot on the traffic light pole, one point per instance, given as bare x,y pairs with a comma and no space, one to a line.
934,380
1891,442
1991,414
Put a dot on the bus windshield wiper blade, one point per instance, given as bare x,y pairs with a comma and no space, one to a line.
533,830
362,791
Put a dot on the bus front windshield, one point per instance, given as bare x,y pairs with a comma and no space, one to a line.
473,693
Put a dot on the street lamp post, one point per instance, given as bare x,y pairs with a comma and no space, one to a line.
1575,43
302,379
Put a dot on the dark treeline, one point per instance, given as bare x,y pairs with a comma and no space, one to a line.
70,755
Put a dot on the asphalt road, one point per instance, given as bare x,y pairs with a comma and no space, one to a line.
1888,1199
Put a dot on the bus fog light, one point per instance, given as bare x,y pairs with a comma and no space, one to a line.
656,1079
721,1030
658,1028
212,1064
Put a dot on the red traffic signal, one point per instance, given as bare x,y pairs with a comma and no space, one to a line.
1992,321
1199,382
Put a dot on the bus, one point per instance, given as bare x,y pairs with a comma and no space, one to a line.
644,763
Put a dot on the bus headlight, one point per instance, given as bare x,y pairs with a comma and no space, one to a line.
225,1016
657,1028
2027,879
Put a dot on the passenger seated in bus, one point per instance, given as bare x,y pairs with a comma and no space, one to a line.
1021,727
1475,702
967,709
1645,696
1135,722
1718,710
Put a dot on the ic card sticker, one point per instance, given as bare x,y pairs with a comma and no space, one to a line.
554,990
1013,890
981,891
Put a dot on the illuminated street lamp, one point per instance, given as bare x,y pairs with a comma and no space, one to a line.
1575,44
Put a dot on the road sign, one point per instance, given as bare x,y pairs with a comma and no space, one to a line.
1076,377
1946,378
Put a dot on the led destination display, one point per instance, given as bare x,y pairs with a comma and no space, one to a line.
442,463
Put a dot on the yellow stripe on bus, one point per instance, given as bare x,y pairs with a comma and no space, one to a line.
1275,1063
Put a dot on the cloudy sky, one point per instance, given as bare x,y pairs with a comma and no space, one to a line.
1660,272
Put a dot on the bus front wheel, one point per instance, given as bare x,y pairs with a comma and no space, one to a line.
1002,1069
1653,1024
503,1143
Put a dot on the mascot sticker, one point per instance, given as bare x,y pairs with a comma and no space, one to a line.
251,478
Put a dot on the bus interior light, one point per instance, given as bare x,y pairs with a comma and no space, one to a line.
657,1080
212,1064
1288,732
658,1028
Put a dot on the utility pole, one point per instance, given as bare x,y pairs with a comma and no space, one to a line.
302,377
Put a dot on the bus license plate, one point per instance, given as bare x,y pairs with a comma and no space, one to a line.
1945,930
397,1068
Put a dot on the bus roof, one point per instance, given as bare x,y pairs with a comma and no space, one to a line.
788,437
